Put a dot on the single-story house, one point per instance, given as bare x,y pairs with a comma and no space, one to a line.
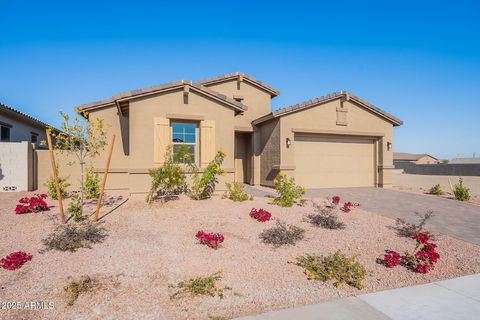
337,140
415,158
17,126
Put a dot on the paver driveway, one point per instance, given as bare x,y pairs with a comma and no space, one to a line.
451,217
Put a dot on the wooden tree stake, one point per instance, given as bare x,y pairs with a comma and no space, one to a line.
104,181
55,178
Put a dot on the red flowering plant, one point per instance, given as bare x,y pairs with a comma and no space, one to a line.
210,239
347,206
422,261
261,215
15,260
33,204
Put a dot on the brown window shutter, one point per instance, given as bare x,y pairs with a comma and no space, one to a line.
161,139
207,142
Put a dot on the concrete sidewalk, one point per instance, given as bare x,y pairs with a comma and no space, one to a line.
455,299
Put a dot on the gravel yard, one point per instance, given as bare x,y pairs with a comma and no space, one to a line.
422,183
152,247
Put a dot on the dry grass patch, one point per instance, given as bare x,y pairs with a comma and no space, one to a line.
75,288
73,236
282,234
200,286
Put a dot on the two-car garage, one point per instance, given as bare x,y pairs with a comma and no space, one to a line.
334,161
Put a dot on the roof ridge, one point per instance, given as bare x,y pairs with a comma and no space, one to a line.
25,115
322,99
159,87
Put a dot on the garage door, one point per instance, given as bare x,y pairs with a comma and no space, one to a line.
330,162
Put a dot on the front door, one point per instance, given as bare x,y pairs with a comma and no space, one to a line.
243,157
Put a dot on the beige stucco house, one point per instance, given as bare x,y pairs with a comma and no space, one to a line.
337,140
415,158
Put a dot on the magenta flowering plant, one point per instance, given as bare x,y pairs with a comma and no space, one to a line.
33,204
261,215
423,260
15,260
210,239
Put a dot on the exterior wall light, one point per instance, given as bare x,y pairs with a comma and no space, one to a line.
289,142
389,146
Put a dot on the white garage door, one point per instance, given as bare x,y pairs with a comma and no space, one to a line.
330,162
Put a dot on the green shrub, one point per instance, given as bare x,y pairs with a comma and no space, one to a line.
236,192
203,185
168,180
288,192
75,208
77,287
52,191
92,184
200,286
282,234
436,190
461,192
337,267
71,237
326,216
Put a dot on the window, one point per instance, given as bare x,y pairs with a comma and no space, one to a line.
184,139
34,137
5,134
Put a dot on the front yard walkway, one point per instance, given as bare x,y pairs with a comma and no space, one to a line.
442,300
451,217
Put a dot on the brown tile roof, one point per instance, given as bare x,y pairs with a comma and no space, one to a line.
402,156
23,116
327,98
159,88
210,81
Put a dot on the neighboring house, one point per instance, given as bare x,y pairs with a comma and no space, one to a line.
17,126
337,140
415,158
20,135
464,160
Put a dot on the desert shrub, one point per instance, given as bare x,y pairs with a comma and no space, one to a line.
461,192
35,203
63,184
200,286
288,191
337,267
92,184
406,229
436,190
71,237
203,185
282,234
77,287
210,239
75,208
236,192
168,180
326,216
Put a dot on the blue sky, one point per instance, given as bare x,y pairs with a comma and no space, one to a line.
419,60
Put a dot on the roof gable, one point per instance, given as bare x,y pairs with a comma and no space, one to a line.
120,99
23,116
327,98
240,76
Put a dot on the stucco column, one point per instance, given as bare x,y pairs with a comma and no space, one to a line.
256,151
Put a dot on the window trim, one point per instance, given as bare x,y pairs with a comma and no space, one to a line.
196,144
8,127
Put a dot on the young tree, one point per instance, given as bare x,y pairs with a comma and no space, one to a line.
85,138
